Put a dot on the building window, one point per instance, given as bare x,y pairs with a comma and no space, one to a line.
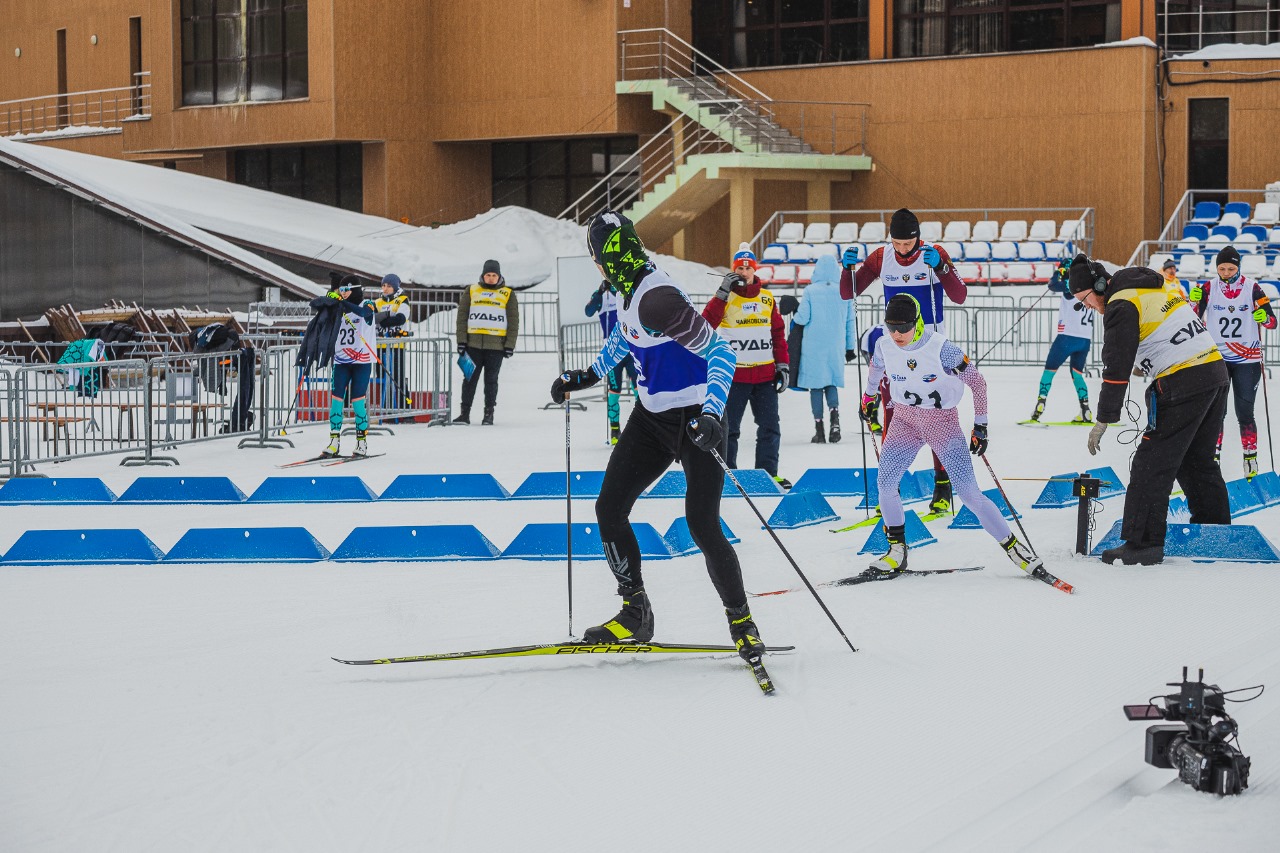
1208,146
755,33
548,175
243,50
326,174
1186,25
953,27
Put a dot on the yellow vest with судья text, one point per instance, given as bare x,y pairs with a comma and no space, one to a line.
393,306
748,326
488,312
1170,335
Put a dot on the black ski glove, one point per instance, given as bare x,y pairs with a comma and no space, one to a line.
850,355
781,376
705,432
978,441
507,352
462,349
570,381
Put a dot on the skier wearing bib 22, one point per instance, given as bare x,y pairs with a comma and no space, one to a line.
1075,337
684,370
927,376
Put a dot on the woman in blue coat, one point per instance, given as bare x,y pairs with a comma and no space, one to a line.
830,338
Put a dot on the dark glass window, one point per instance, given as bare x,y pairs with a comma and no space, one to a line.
548,175
753,33
243,50
1187,25
953,27
1208,146
325,174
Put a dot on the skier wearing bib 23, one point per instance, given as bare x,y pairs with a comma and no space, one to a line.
684,371
927,375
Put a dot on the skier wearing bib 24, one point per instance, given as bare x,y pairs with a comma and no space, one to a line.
605,302
1236,309
927,376
1075,337
684,370
924,272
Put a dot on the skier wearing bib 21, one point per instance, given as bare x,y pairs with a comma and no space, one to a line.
927,375
684,370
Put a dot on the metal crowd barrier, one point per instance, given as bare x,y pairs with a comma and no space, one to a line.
539,316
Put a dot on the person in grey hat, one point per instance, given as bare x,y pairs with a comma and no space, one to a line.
488,325
1169,269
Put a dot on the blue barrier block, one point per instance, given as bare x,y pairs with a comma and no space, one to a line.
1268,486
247,545
912,489
1244,497
1179,511
835,482
82,547
56,490
967,519
182,490
444,487
800,509
547,542
680,541
1206,543
917,536
288,490
1057,492
425,542
757,482
550,484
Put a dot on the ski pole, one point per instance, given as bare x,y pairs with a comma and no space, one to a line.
716,453
1013,325
862,424
1009,504
1266,403
568,510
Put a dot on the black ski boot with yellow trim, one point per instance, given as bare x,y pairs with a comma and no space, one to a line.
633,624
744,632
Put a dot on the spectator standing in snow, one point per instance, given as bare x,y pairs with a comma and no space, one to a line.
488,325
830,336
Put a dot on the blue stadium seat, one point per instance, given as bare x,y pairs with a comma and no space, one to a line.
1238,207
1195,231
1228,231
1207,212
1258,231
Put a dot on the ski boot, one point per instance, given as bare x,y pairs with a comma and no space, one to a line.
834,435
818,437
1135,555
895,559
1039,409
1250,464
1086,416
361,448
488,418
634,622
1020,555
335,438
744,632
615,432
783,482
941,495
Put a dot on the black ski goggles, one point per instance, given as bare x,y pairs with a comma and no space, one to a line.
901,328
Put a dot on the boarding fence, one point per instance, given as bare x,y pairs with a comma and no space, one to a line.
145,407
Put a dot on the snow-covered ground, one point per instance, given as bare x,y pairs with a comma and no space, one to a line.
196,708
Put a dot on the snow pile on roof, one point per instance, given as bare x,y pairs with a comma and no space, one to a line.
1136,41
1234,51
526,243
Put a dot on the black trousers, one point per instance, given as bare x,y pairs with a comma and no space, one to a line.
1179,443
650,442
1245,377
488,362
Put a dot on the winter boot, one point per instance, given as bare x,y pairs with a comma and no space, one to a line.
1039,409
1020,555
488,418
1135,555
834,435
1250,464
634,622
1086,416
941,495
895,560
335,438
744,632
361,448
818,437
615,431
464,418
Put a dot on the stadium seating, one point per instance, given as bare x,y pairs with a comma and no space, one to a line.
1195,231
785,274
1228,231
969,272
956,231
1014,230
765,273
821,249
845,232
1020,273
1246,243
804,273
1030,251
931,231
1207,211
800,253
774,253
1254,266
1259,232
1266,214
987,229
818,232
953,249
791,232
1043,230
1070,229
1004,250
1192,266
1157,260
873,232
1236,208
1043,271
977,251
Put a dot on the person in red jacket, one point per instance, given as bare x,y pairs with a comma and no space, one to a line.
744,313
920,270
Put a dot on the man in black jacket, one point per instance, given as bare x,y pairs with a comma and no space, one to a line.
1151,326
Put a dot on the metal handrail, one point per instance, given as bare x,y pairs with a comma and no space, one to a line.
1216,33
77,109
669,44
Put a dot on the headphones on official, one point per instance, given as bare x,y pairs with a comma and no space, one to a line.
1099,273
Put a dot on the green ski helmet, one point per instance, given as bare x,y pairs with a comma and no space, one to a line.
615,246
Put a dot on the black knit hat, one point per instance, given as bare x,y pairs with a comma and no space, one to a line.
1228,255
491,266
1086,273
904,225
901,309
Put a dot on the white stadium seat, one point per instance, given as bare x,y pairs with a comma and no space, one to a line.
968,272
774,253
1246,243
1020,273
1266,213
1043,230
1070,227
784,274
956,231
804,273
1044,271
977,251
872,232
1158,259
1191,266
1232,220
1014,229
987,229
995,273
1055,250
931,231
820,249
845,232
1004,250
800,253
954,249
1031,251
1254,266
818,232
791,232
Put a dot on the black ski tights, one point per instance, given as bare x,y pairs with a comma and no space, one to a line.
650,442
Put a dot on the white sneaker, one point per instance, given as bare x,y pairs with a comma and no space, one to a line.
1020,555
334,440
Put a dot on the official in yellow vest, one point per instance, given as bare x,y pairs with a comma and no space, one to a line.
488,325
391,320
1149,328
